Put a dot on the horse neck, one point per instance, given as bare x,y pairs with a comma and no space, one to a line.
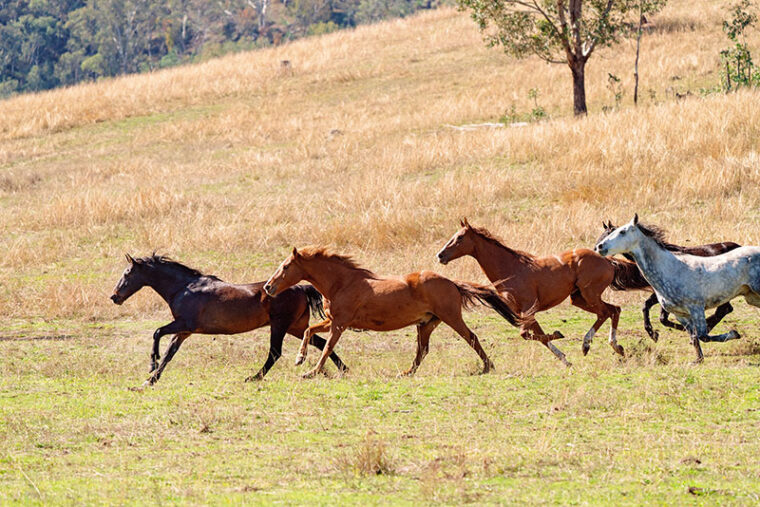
167,282
497,262
656,262
328,277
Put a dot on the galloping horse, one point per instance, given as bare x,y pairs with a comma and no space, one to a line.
359,299
205,304
634,280
536,284
686,284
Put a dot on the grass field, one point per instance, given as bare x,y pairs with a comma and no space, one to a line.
228,164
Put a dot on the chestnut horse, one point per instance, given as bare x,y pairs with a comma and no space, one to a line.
359,299
634,280
205,304
535,284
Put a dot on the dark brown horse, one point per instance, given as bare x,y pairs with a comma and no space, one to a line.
357,298
535,284
634,280
204,304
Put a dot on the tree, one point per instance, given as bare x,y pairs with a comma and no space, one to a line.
557,31
739,68
642,8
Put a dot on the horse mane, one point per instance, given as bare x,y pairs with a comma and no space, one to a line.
524,257
324,253
658,235
165,261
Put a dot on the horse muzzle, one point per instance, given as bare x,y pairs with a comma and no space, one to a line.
601,250
116,299
442,259
269,289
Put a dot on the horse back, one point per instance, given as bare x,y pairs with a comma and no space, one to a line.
711,249
217,307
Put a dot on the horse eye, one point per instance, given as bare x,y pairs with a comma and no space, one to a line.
622,233
286,266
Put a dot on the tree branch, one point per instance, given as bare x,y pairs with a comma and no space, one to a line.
592,45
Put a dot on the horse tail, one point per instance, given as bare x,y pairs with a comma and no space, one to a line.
627,276
314,301
478,294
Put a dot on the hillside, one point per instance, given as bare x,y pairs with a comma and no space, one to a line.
227,164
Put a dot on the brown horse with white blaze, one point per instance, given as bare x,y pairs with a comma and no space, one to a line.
535,284
357,298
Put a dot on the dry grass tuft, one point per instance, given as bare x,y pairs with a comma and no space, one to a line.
370,457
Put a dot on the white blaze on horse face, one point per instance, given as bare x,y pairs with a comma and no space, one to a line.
449,244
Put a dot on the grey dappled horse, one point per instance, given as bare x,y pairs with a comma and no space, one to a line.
686,284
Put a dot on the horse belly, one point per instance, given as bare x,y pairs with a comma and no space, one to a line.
388,312
236,315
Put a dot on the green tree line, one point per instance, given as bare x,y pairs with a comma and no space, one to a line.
50,43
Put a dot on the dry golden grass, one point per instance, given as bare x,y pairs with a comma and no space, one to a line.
227,164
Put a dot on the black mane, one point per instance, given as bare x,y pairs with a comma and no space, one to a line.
658,235
162,261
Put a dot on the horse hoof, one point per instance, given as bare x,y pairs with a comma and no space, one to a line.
655,336
734,335
407,373
620,350
309,374
558,335
300,359
255,378
586,348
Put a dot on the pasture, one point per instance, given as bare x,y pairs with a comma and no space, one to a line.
227,165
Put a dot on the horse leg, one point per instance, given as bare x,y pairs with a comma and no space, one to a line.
590,299
423,341
276,334
332,339
170,351
297,330
320,343
316,328
648,304
454,321
667,323
171,328
531,330
716,317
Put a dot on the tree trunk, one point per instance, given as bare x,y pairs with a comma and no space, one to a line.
579,87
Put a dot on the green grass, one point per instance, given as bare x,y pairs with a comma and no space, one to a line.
641,430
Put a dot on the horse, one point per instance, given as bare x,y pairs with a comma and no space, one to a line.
685,284
357,298
204,304
634,280
536,284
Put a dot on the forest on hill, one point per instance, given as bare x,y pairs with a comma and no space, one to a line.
49,43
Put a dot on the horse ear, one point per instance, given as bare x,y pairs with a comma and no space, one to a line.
636,219
129,258
295,252
465,223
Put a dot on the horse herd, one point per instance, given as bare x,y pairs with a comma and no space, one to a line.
685,282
